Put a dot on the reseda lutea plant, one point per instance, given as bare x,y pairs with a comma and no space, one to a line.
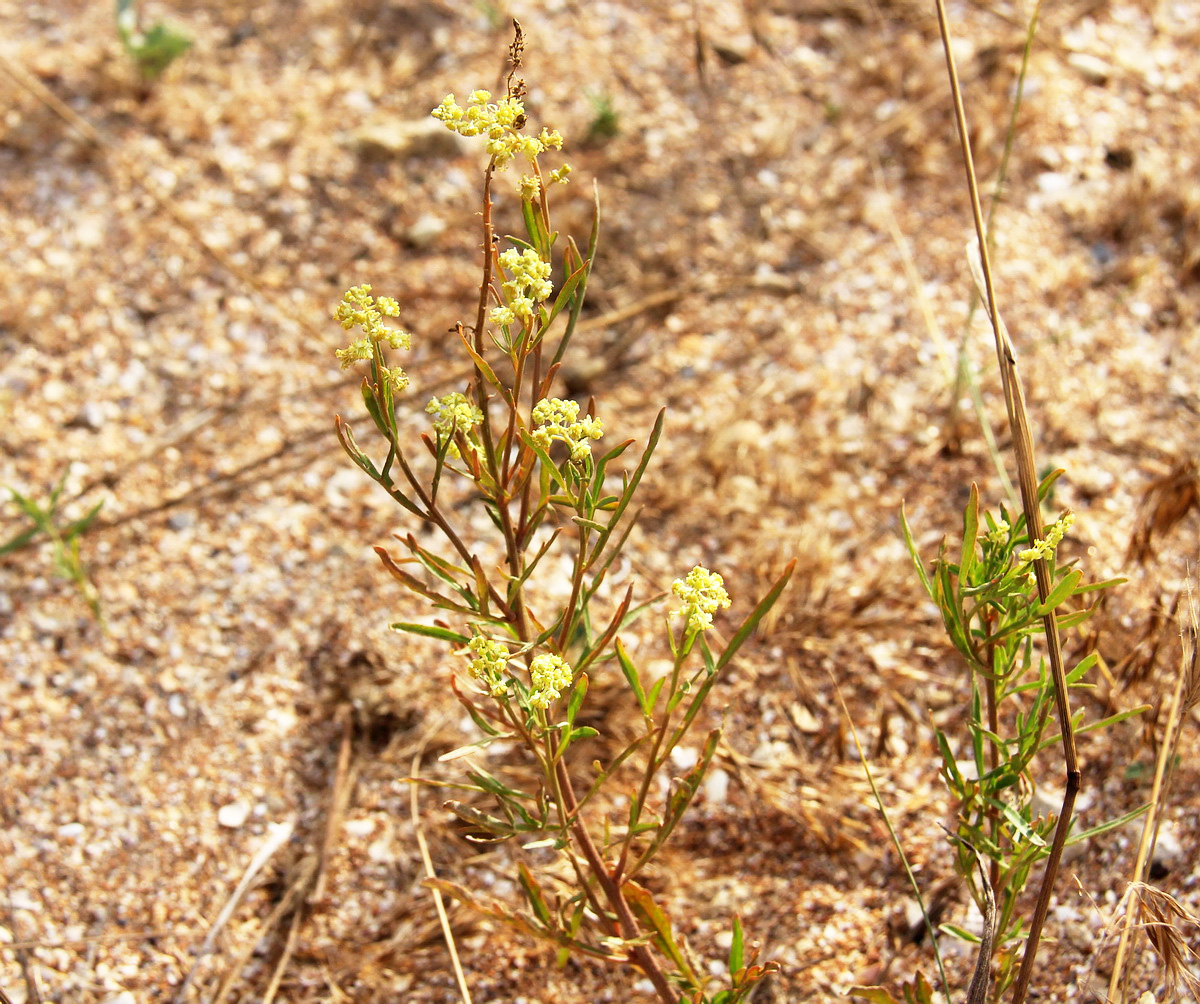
531,461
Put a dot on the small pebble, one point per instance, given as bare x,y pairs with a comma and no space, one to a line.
234,814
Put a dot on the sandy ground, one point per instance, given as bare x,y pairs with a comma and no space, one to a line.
782,266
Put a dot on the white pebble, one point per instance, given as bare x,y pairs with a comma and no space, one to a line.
234,814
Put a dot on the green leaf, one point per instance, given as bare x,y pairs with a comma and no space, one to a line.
577,696
476,716
961,933
655,691
549,467
1062,591
966,560
659,923
534,228
430,631
371,400
916,557
573,256
494,786
1092,587
534,896
413,584
21,540
679,799
630,488
486,371
499,829
1080,670
1105,827
737,947
567,293
756,615
79,526
876,995
629,671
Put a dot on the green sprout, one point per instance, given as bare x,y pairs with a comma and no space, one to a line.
153,50
64,540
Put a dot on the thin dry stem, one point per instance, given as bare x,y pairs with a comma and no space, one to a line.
438,902
1014,400
277,837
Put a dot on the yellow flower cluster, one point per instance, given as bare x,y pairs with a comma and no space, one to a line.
1045,548
359,309
500,121
530,284
703,593
454,413
488,661
550,675
557,419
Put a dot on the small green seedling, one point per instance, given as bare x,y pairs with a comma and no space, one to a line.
64,540
152,50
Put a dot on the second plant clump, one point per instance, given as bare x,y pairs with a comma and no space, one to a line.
532,462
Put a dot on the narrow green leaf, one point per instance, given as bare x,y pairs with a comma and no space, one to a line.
485,369
655,691
372,402
961,933
737,947
1080,670
533,894
498,828
533,227
1092,587
548,465
629,671
1062,591
916,557
578,300
567,292
476,715
756,615
430,631
658,922
412,583
1105,827
80,525
630,488
495,786
966,558
21,540
577,696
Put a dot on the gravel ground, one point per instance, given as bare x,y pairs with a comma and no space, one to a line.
782,266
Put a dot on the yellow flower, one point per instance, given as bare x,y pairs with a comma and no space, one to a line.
703,593
550,675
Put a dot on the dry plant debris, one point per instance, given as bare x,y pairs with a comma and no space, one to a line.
783,204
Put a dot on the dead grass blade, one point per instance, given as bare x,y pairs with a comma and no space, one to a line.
1165,502
277,837
887,822
1018,418
1160,931
1162,918
438,902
